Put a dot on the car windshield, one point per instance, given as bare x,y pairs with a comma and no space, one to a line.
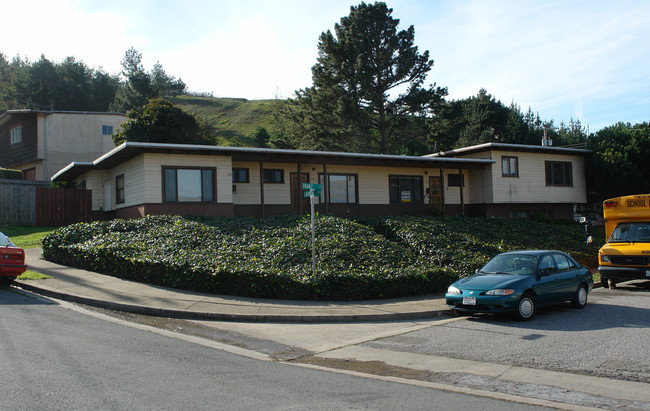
624,232
511,264
5,241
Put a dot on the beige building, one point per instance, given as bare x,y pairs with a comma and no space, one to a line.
525,180
39,143
512,181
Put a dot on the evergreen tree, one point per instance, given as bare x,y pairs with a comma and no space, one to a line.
349,106
140,86
619,163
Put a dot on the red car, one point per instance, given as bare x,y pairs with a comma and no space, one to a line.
12,260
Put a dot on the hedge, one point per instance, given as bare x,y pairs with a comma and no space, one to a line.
8,174
271,257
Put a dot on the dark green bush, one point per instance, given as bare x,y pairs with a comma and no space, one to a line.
8,174
271,258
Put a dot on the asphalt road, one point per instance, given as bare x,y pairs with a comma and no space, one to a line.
53,357
610,337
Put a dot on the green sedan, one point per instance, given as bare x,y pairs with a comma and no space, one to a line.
520,282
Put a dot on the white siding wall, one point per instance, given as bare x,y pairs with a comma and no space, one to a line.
95,183
452,194
248,193
143,178
275,193
152,170
134,182
373,182
480,180
530,186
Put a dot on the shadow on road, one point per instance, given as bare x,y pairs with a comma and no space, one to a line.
599,314
14,296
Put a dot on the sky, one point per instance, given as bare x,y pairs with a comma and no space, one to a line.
586,60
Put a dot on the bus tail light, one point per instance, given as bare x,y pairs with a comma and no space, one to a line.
611,204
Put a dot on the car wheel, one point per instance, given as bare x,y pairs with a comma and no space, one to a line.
580,298
526,307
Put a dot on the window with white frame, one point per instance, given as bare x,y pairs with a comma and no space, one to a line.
341,188
16,135
188,185
107,130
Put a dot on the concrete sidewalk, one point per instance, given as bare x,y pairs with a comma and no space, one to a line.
86,287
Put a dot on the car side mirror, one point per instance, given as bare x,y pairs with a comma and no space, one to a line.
590,240
544,272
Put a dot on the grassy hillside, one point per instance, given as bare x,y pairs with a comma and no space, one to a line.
232,120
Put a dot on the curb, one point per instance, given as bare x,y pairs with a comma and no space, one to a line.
201,315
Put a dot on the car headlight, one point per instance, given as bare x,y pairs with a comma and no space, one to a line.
500,291
604,258
453,290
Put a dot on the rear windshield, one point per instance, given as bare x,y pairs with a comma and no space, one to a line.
5,241
624,232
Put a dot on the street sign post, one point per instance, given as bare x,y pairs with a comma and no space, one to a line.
312,190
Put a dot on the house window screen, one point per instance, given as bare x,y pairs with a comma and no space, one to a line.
342,189
454,180
16,135
405,189
273,176
119,189
509,166
559,173
188,185
240,175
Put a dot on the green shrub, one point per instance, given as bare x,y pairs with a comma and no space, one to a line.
8,174
271,257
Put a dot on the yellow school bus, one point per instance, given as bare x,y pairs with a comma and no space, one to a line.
626,255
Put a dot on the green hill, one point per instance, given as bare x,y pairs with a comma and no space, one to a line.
232,120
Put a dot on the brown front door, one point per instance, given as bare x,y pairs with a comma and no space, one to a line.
435,194
297,197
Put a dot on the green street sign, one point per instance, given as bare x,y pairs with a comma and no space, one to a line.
311,193
311,186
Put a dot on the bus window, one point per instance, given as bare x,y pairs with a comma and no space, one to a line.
631,232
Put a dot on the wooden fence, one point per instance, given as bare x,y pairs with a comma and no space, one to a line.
34,203
62,206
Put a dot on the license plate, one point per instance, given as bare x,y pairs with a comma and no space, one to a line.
469,300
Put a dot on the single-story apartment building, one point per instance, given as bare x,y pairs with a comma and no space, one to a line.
137,179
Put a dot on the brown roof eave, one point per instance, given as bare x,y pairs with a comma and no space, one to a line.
487,147
375,161
130,150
